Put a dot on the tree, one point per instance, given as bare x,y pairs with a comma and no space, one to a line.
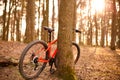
96,27
53,15
4,21
118,43
45,12
64,56
38,31
90,32
102,43
18,32
30,21
8,21
113,30
16,20
74,23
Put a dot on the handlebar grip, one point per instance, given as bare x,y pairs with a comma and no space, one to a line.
48,29
77,31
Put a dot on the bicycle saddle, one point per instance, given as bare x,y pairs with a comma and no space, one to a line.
48,29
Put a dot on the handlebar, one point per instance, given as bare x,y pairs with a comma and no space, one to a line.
50,29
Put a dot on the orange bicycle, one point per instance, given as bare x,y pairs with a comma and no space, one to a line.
38,53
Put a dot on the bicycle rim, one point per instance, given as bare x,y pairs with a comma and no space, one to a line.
28,66
76,52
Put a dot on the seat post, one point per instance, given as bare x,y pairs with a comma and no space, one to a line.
49,36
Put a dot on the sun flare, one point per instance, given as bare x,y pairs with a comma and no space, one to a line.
98,5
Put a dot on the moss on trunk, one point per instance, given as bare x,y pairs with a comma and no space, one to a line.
68,73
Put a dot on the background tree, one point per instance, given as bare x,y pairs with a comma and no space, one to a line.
45,12
113,29
102,43
96,27
30,21
4,21
64,56
118,43
74,23
16,21
38,30
53,17
90,28
8,20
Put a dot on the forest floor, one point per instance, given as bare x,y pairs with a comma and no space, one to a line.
95,63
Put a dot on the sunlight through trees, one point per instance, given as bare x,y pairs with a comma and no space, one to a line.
95,18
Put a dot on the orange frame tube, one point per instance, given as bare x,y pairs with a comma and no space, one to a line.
49,50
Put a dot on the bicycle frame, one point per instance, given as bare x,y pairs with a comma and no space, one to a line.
49,52
50,43
41,52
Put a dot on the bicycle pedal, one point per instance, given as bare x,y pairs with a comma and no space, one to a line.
52,71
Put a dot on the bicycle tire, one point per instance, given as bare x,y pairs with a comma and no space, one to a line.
23,64
77,54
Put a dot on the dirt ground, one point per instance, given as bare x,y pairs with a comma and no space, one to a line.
95,63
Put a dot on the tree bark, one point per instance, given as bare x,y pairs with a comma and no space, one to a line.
18,33
65,56
102,43
90,32
96,26
8,21
4,21
113,29
44,34
53,21
74,23
38,31
30,21
118,43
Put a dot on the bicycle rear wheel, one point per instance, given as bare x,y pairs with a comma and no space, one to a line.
76,52
29,67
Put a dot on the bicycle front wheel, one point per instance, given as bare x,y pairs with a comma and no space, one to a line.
29,67
76,52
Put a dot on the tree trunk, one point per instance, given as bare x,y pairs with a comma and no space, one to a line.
74,23
89,35
38,31
30,21
16,26
113,30
96,32
4,21
8,21
44,34
102,43
18,33
118,43
65,56
53,22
